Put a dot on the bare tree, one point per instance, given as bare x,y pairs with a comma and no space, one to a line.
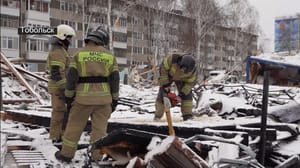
159,21
241,16
207,15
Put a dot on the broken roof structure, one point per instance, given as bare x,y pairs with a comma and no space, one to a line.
285,70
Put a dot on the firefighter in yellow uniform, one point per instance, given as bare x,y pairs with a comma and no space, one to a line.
93,83
57,63
178,68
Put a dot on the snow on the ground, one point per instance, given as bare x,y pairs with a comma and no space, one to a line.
231,96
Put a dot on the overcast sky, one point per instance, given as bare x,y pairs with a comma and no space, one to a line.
270,9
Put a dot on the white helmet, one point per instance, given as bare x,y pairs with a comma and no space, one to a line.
63,31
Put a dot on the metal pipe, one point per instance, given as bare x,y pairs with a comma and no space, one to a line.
263,126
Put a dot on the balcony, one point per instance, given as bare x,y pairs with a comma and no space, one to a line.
122,60
117,44
39,16
119,29
97,9
9,11
37,55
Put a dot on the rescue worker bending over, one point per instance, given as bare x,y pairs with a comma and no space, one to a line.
93,84
57,62
178,68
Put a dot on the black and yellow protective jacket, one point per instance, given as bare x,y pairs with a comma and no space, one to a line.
57,63
170,71
93,76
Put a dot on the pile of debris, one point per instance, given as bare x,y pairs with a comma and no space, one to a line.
30,88
224,133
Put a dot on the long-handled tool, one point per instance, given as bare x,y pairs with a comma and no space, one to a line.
167,106
66,116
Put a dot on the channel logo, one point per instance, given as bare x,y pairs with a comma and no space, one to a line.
37,30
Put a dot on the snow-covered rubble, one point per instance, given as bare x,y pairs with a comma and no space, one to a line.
215,105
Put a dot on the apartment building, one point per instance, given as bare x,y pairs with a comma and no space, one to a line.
287,34
9,24
31,48
219,51
139,32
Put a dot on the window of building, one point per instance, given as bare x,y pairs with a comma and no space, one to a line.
101,3
121,37
172,31
9,42
100,18
38,45
11,3
73,43
3,43
129,19
123,22
138,50
136,20
147,50
70,23
39,5
70,7
33,45
9,21
138,35
62,5
46,46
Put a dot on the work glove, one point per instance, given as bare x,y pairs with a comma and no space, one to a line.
114,105
55,73
181,94
167,87
69,100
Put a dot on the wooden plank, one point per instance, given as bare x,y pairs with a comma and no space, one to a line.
29,158
20,78
176,155
25,118
30,73
27,147
15,101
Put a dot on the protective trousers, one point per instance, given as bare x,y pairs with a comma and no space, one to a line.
186,104
57,115
78,118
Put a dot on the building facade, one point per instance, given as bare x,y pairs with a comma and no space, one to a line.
287,34
139,32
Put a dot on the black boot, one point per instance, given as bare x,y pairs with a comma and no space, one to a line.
187,117
62,158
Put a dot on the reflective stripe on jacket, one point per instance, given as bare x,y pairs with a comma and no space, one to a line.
170,71
57,57
91,61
